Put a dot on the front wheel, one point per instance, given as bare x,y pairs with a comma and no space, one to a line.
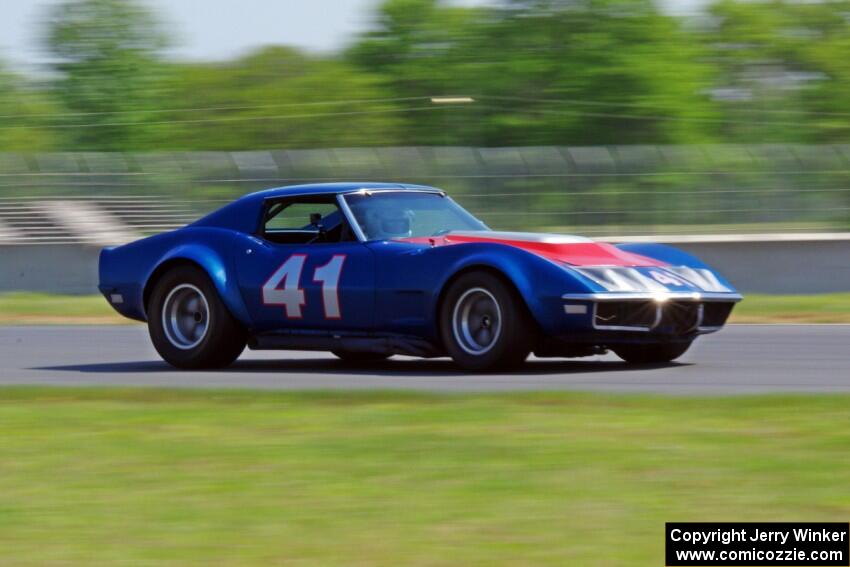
651,353
485,324
189,325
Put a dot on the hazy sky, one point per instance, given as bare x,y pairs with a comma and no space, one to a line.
217,29
207,29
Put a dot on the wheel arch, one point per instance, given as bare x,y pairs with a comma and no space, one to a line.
215,269
480,267
160,271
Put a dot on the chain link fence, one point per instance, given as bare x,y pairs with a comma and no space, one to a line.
614,190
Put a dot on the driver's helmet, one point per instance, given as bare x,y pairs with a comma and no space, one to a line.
389,222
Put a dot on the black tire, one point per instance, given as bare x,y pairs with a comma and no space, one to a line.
503,348
353,356
651,353
223,338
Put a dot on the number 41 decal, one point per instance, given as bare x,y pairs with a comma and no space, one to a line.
292,297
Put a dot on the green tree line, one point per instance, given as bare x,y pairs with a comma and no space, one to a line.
541,72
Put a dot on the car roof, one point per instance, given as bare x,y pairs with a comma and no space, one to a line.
333,188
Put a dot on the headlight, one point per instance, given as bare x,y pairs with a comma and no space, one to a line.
621,279
700,277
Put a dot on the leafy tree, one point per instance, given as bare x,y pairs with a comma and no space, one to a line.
106,56
24,114
542,72
278,98
785,66
627,72
417,47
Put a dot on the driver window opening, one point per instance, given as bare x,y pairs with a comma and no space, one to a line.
313,221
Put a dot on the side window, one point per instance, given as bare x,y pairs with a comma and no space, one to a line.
309,221
297,216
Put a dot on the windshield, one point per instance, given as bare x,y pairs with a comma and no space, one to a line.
401,214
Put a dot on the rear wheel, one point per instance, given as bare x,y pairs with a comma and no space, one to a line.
651,353
189,325
353,356
485,324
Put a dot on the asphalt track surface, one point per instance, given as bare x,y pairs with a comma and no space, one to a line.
740,359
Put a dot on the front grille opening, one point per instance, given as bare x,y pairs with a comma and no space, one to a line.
679,317
625,314
715,313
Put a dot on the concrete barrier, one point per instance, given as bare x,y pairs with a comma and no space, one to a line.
789,264
796,267
50,268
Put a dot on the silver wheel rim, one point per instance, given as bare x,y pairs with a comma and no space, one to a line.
185,316
477,321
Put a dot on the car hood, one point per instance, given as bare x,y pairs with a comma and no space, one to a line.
572,250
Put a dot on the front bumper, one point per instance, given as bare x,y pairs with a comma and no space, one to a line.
673,314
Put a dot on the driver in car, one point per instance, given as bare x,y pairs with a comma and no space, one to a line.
389,222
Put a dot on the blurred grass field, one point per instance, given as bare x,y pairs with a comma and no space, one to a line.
821,308
162,477
43,309
26,308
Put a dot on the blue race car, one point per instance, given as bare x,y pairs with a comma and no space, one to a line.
369,270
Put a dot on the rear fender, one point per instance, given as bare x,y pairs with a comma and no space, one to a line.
217,267
129,273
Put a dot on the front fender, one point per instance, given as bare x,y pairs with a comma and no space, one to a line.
539,281
414,275
672,256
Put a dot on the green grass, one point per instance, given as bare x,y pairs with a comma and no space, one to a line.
37,308
103,477
821,308
21,308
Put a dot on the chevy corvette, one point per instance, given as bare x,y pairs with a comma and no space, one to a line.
370,270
